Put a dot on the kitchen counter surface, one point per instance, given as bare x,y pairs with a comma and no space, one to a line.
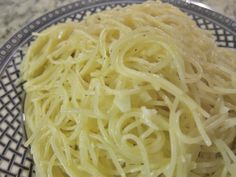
16,13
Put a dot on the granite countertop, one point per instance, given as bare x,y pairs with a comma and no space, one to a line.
16,13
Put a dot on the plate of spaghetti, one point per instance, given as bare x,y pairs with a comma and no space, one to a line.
121,88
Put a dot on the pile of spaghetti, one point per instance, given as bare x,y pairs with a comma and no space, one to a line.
138,91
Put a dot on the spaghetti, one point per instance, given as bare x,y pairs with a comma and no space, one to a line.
135,91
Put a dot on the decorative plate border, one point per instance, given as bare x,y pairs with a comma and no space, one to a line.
17,157
40,23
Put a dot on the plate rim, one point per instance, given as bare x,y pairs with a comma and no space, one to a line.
76,7
12,44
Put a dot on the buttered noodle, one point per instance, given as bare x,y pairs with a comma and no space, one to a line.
136,91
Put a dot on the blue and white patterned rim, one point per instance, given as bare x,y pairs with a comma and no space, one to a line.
15,158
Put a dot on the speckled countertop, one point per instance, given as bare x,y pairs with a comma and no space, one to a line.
16,13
